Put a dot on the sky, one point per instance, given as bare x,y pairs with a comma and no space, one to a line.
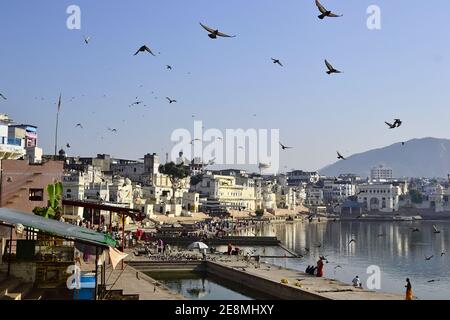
400,71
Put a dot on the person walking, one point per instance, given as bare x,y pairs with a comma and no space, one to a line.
409,292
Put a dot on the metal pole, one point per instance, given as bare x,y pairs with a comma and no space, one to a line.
56,132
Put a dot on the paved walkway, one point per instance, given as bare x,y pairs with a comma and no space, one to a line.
330,289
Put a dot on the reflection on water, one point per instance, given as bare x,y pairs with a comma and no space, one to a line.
200,286
393,246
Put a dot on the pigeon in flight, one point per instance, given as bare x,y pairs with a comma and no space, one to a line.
398,123
330,68
429,258
3,97
324,12
285,147
170,100
67,145
144,49
415,229
79,125
112,130
169,67
87,39
435,229
390,125
277,61
340,156
136,103
213,34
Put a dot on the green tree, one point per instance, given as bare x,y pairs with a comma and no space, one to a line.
196,179
176,173
416,196
53,209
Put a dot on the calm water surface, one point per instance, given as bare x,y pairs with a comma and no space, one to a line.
393,246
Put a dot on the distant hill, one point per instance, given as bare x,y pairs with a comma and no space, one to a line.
427,157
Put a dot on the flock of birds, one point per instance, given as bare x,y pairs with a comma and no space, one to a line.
214,33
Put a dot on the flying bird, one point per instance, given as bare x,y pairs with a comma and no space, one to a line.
3,97
340,156
144,49
390,125
351,241
435,229
79,125
87,39
330,68
136,103
428,258
285,147
112,130
415,229
213,34
168,67
398,123
192,141
67,145
170,100
324,12
277,61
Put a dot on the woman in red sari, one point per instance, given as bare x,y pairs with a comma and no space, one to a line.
320,268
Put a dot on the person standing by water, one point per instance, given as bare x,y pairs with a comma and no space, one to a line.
320,268
409,292
230,248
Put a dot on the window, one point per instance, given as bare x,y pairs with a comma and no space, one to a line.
36,195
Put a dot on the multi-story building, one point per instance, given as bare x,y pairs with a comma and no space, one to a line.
378,196
223,192
337,191
133,170
297,177
23,186
381,173
314,196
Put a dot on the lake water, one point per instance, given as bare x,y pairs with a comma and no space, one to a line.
393,246
202,286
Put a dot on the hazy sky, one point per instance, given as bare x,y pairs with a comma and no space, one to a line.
401,70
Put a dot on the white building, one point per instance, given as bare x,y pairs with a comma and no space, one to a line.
381,173
314,196
379,196
337,191
297,177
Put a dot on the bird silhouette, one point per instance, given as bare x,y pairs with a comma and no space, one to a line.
415,229
136,103
67,145
285,147
351,241
192,141
435,229
171,100
79,125
112,130
324,12
277,61
429,258
214,33
390,125
168,67
397,122
442,254
2,96
86,39
340,156
144,48
330,68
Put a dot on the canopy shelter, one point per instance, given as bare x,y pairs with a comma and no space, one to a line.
16,219
12,218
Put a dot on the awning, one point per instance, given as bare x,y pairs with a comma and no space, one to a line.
64,230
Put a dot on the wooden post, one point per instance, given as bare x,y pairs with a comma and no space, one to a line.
9,249
96,273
